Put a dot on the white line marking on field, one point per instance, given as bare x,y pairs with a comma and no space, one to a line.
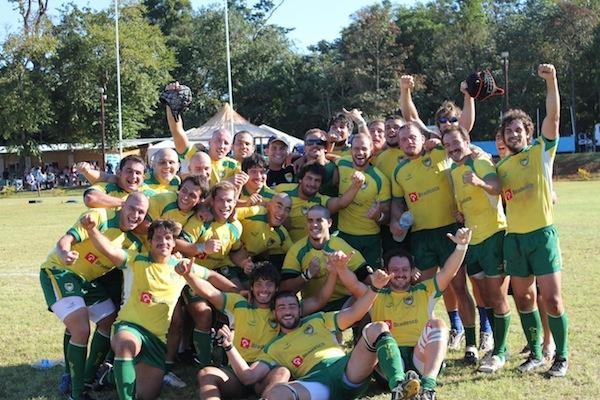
18,274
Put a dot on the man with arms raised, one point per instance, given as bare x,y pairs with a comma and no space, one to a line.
531,246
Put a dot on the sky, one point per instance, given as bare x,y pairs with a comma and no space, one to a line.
312,20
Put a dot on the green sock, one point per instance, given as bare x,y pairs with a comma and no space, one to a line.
66,340
490,314
76,354
532,327
98,350
559,326
203,345
390,360
124,378
501,326
470,338
428,382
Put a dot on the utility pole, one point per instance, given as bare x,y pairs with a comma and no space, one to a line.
505,103
102,128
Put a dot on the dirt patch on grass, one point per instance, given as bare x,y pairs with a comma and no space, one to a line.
567,166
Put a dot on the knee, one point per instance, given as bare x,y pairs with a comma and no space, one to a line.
277,392
279,374
374,330
554,304
105,324
207,376
80,333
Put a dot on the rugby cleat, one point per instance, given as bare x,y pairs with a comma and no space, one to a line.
170,379
491,364
531,364
426,394
102,377
408,388
558,369
455,339
486,342
471,355
64,384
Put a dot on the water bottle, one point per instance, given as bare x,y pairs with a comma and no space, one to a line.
406,221
45,363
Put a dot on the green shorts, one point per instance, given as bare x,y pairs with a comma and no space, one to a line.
153,349
431,247
487,256
112,283
330,373
59,283
367,245
533,253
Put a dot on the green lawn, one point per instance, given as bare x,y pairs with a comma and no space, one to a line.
28,332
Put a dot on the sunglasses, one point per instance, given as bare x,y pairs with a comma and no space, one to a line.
315,142
444,120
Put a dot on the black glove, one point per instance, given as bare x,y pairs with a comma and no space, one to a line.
179,100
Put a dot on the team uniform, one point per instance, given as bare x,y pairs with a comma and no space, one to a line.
283,175
406,314
298,259
111,189
265,192
299,209
342,151
327,186
424,183
153,185
221,169
361,232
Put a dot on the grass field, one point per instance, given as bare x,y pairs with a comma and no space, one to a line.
28,332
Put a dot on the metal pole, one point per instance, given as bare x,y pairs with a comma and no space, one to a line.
504,56
102,129
118,78
229,85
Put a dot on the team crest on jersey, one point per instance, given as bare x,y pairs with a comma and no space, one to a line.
245,343
273,323
304,210
222,173
289,177
146,298
409,300
297,361
524,161
427,162
270,242
309,330
69,287
91,257
414,197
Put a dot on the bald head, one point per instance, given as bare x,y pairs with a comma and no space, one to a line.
133,211
165,165
219,144
200,164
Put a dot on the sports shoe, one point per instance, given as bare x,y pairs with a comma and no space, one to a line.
455,339
471,355
530,364
64,384
558,369
426,394
486,342
548,355
170,379
491,364
408,388
102,377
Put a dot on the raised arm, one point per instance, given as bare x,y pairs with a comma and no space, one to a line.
335,204
176,127
551,123
200,286
407,106
455,260
63,248
356,116
348,278
248,375
96,199
116,255
467,117
318,301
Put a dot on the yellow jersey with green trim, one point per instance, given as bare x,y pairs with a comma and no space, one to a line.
228,233
151,291
258,236
388,160
302,252
265,192
298,223
152,185
111,189
302,349
406,313
221,169
424,183
479,208
92,263
164,205
527,186
353,219
254,326
342,151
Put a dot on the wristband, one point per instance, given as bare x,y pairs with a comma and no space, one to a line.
200,247
306,275
374,289
462,247
227,348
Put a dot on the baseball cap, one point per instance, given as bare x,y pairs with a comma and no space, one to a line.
278,138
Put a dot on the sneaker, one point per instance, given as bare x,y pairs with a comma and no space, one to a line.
530,364
558,369
426,394
170,379
486,342
455,339
102,375
471,355
491,364
408,388
64,384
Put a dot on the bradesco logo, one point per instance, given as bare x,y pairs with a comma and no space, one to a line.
245,343
91,258
297,361
146,298
508,194
414,197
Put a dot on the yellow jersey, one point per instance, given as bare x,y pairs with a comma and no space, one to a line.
302,349
298,223
222,168
424,183
228,233
151,291
153,185
254,326
164,205
480,209
388,160
353,219
406,313
92,263
342,151
302,252
111,189
527,186
258,236
265,192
